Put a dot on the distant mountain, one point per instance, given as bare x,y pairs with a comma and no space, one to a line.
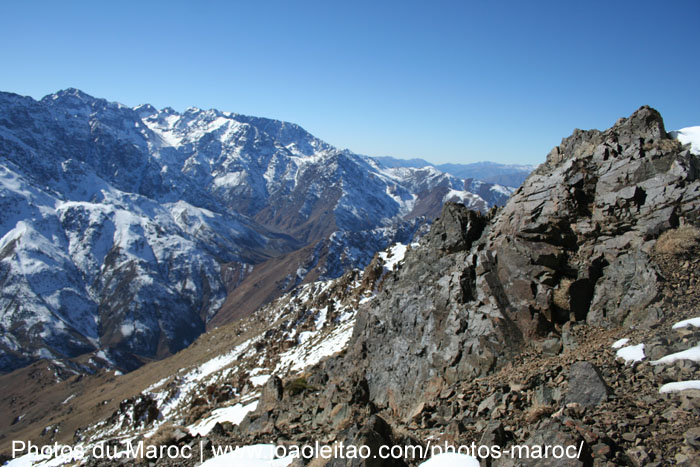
511,175
125,232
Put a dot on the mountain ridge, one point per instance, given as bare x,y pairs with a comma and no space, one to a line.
511,175
124,230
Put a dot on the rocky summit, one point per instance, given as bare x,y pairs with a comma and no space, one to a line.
568,317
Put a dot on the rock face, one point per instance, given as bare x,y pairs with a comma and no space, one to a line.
579,232
572,247
572,244
422,315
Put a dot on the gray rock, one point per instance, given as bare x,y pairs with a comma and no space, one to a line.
638,456
543,395
271,393
374,433
490,403
494,435
586,385
692,437
551,346
623,296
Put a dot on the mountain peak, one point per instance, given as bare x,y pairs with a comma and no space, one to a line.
145,110
644,125
645,122
69,93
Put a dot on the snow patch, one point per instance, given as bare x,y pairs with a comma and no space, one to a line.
632,353
451,459
690,135
620,343
68,399
692,353
680,386
394,256
465,197
259,380
687,322
234,414
313,351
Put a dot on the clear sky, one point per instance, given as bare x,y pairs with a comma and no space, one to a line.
448,81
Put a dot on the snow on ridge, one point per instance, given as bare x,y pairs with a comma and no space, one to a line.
467,198
233,414
504,190
689,135
394,256
313,349
164,129
193,379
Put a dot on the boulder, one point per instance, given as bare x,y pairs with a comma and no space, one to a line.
586,385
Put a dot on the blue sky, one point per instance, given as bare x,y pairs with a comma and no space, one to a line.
446,81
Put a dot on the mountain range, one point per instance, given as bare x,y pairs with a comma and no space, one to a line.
126,232
491,172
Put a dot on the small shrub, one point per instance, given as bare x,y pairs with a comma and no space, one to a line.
536,412
165,436
196,413
678,241
297,386
560,297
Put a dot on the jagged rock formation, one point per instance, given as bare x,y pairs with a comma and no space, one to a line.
572,244
572,248
579,232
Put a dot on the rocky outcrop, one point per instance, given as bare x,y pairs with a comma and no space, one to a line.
422,314
446,344
576,237
584,396
571,245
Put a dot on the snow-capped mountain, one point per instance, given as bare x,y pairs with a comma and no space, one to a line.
123,230
512,175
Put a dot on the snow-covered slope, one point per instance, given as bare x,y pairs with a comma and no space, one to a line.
117,224
690,135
